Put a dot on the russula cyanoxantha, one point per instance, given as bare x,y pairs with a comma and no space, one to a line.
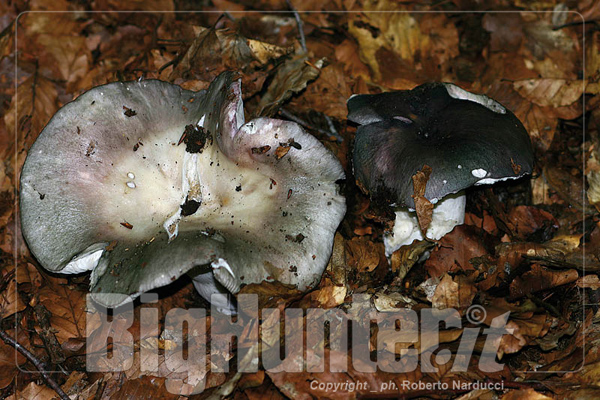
141,182
467,139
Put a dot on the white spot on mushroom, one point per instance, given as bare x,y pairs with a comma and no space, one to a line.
171,225
83,263
461,94
403,119
131,185
491,181
459,166
130,175
221,263
445,181
479,173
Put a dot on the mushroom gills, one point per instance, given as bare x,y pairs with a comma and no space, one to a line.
209,288
447,213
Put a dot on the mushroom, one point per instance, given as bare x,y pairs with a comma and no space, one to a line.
142,182
467,139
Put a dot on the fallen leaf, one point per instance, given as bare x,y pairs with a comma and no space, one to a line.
457,293
290,77
550,92
423,207
67,306
524,332
589,282
363,254
10,301
455,250
403,259
538,279
34,391
525,394
529,223
10,358
31,109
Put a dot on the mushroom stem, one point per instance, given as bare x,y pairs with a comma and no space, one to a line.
447,213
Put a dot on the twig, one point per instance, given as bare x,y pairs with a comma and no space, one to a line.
300,25
50,342
37,363
334,131
540,303
575,23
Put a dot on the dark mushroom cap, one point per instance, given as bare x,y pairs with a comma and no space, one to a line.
466,139
142,182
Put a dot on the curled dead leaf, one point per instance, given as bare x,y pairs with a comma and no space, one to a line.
423,207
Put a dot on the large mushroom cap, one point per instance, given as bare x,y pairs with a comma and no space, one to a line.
466,139
140,182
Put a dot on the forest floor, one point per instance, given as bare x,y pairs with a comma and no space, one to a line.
529,247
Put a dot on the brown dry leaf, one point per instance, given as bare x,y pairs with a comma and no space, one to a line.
67,306
550,92
392,301
525,394
265,52
552,339
329,296
423,207
457,293
11,359
31,109
543,40
506,30
592,58
593,178
540,278
347,54
136,5
270,293
569,189
34,391
363,254
524,332
328,93
216,50
96,341
297,385
28,277
397,33
540,122
403,259
456,248
291,77
10,301
439,45
527,220
336,270
70,57
487,222
54,23
76,383
589,282
7,37
146,387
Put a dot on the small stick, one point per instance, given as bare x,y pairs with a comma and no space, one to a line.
299,23
37,363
